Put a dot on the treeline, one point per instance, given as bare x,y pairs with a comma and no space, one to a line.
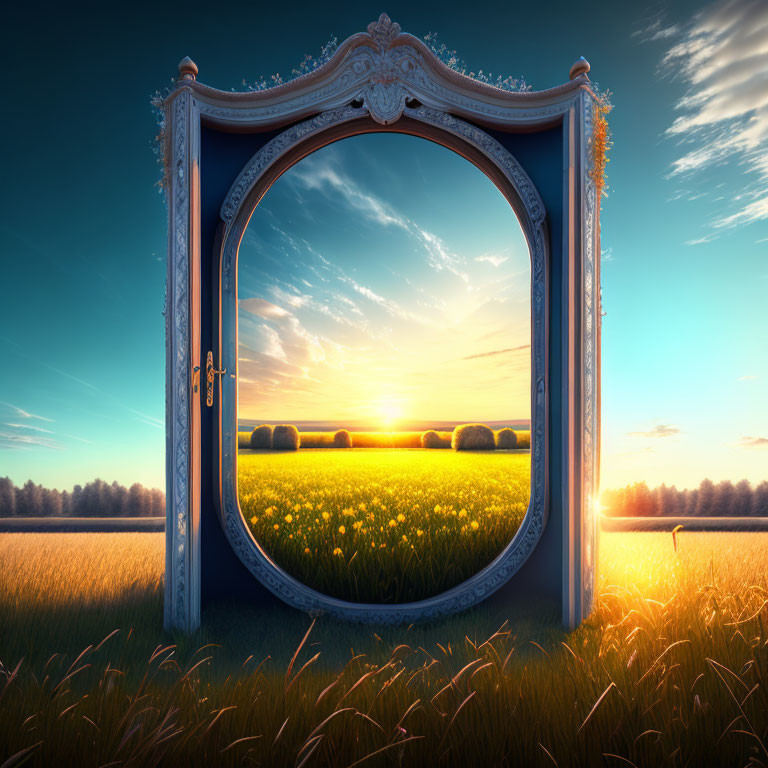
708,500
94,499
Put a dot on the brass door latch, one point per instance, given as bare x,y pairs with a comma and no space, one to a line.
210,372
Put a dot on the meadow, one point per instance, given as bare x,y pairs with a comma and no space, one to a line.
670,670
383,525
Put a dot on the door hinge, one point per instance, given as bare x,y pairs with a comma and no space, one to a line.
210,374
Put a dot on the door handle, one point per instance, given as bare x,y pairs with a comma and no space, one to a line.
210,373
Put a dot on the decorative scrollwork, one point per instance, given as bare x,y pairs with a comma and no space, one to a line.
177,421
384,68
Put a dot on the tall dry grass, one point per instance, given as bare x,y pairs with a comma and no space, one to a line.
671,670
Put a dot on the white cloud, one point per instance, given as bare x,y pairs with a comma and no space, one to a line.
29,426
496,259
263,308
660,430
392,307
24,414
655,30
753,442
722,56
272,345
16,442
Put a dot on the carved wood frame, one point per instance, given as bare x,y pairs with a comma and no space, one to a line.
388,76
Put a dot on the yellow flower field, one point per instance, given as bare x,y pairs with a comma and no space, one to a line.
383,525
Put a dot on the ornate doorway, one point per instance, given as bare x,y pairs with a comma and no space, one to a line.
224,151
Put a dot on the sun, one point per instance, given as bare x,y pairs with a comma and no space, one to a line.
390,411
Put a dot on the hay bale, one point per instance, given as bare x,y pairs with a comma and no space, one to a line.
472,437
286,438
261,437
430,439
506,438
342,439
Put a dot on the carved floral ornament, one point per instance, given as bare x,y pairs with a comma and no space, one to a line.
384,70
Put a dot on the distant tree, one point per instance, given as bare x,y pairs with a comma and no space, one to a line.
708,500
118,499
76,501
52,506
641,500
89,503
29,500
7,497
759,506
689,501
138,501
705,499
668,501
724,500
157,503
742,501
66,504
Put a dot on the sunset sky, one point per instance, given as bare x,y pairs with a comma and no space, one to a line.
685,232
384,278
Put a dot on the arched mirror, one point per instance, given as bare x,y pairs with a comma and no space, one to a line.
384,371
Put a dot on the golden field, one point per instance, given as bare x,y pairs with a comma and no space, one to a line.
383,525
670,670
377,439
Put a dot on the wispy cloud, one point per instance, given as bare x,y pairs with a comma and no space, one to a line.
746,378
391,306
24,414
495,352
321,175
496,259
721,54
47,442
753,442
29,426
264,308
11,441
656,29
152,421
660,430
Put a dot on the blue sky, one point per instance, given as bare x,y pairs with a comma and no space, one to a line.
685,226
